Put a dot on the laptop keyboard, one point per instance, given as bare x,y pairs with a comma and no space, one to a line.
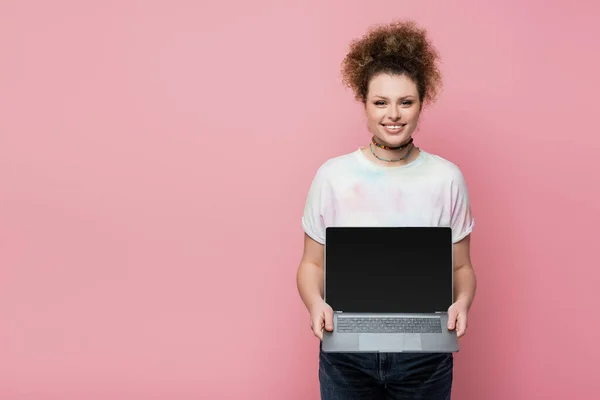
388,325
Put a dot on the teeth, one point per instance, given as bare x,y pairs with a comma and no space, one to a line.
394,126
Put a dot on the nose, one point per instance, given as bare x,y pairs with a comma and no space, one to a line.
394,114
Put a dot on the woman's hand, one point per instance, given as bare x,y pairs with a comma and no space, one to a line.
321,317
457,317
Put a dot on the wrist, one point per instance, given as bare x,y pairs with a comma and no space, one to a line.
313,301
464,299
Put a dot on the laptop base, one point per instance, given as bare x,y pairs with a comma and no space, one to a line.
445,341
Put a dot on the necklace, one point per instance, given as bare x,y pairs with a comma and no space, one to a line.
381,146
392,159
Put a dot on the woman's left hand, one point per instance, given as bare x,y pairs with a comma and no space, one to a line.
457,318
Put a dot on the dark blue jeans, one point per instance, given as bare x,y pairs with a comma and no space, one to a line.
354,376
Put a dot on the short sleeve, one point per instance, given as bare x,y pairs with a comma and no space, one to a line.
461,220
312,220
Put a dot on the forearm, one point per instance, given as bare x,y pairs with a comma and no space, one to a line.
465,284
310,283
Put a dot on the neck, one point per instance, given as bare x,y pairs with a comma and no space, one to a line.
402,146
392,156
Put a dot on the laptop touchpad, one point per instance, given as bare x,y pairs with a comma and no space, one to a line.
389,342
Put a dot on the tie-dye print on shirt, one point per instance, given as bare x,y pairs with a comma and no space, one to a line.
350,190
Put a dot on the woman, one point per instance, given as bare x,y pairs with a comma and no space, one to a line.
393,72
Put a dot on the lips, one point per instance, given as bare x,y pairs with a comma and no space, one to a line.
394,128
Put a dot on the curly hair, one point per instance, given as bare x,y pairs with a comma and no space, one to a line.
400,48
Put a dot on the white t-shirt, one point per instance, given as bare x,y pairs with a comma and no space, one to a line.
351,190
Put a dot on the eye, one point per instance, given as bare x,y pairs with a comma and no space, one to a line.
380,103
407,102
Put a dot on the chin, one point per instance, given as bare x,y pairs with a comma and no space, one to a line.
394,139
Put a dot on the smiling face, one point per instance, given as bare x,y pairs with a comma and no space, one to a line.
393,108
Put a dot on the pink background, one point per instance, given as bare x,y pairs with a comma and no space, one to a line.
155,158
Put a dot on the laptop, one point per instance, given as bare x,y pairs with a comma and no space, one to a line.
390,289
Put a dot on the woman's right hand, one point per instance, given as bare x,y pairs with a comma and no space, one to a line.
321,317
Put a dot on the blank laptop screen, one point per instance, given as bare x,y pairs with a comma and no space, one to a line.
388,270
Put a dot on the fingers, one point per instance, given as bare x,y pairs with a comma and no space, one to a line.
452,316
461,325
323,321
457,321
329,320
317,327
